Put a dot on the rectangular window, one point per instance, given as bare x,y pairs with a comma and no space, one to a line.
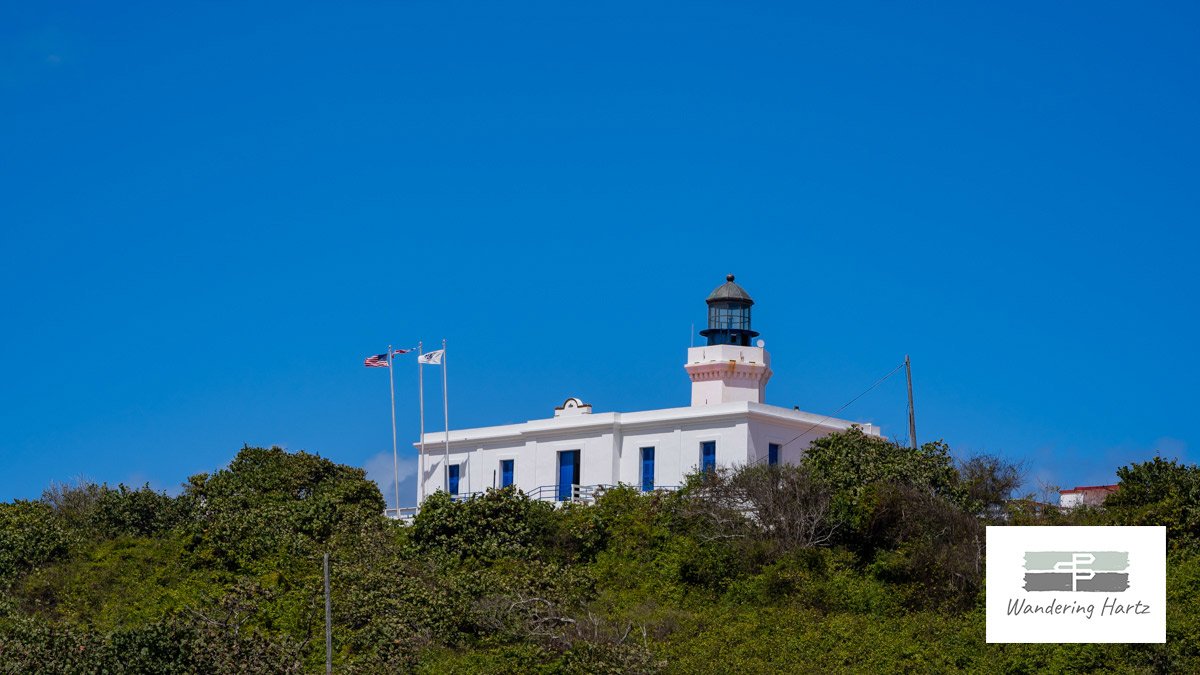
506,472
647,469
708,456
568,474
454,474
772,453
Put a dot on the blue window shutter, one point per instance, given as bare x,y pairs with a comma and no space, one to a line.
506,472
568,473
708,456
647,469
454,473
773,454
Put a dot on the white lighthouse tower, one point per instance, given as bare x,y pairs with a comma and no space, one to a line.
728,368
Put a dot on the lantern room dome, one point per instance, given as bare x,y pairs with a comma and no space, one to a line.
729,291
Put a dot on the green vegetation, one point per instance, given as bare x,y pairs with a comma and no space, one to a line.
865,558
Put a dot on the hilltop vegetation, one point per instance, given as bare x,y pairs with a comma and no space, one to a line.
867,557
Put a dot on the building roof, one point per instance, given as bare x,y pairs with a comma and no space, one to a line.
729,291
587,424
1089,488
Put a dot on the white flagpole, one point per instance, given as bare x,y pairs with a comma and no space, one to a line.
395,455
446,416
421,396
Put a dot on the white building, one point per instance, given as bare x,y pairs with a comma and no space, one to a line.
570,454
1085,495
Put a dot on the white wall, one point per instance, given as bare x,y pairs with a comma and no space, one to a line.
677,449
535,459
794,441
1070,500
610,445
606,457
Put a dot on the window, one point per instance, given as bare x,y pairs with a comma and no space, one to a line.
728,316
454,474
772,453
506,472
647,469
568,474
708,456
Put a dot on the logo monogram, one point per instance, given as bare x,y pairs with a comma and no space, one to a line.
1074,567
1077,571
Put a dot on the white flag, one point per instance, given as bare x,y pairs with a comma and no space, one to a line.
432,358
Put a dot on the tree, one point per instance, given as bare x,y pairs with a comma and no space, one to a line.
989,482
782,505
1159,492
499,523
926,544
30,536
136,513
270,501
852,464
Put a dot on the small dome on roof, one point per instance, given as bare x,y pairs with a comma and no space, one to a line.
729,291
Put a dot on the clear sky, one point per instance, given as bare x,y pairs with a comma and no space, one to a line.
211,213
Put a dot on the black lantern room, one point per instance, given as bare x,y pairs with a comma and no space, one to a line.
729,315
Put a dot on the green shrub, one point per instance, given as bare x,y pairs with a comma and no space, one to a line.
499,523
30,536
1159,492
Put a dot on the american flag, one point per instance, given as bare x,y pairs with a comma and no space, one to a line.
377,361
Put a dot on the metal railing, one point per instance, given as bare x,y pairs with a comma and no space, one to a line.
405,514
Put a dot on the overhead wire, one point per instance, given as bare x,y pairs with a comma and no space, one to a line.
846,405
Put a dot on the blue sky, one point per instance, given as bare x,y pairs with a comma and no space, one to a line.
211,213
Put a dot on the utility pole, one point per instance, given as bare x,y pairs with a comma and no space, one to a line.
912,413
328,626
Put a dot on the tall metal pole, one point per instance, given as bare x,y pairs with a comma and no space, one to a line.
421,396
446,416
912,413
328,624
395,454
